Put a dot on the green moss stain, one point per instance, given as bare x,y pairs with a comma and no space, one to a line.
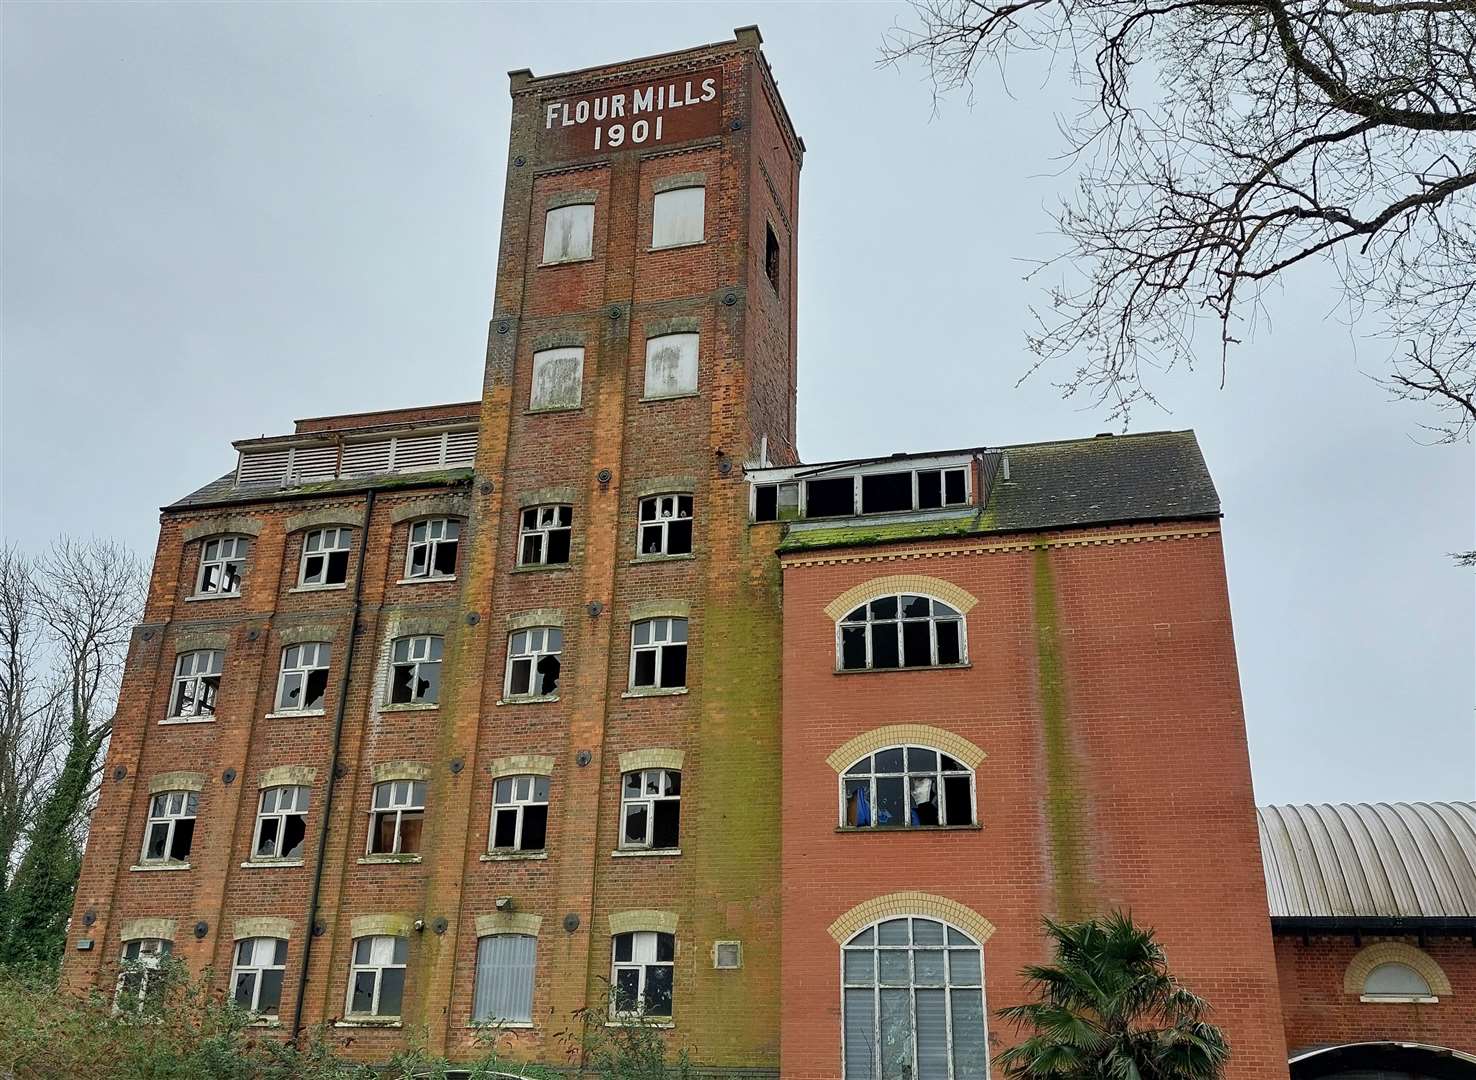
1063,796
858,535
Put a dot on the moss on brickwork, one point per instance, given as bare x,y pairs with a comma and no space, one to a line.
860,535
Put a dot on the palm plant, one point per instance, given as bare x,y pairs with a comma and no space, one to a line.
1108,1009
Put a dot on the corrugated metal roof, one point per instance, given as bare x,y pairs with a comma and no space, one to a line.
1375,860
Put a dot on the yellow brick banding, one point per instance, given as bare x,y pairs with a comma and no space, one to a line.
1394,952
195,640
176,781
898,904
891,584
653,758
456,506
395,924
656,609
262,926
889,553
301,632
287,776
522,765
624,922
223,525
134,929
509,922
323,517
401,770
537,617
547,496
869,742
665,485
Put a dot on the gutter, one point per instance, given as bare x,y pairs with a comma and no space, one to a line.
1355,926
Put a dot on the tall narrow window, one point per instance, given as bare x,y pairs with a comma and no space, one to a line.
433,546
771,256
651,809
666,525
377,976
533,662
568,233
196,683
256,977
142,959
520,813
281,822
504,987
304,679
325,555
676,217
671,365
170,831
658,654
221,562
544,535
641,973
900,632
397,818
415,670
558,379
907,787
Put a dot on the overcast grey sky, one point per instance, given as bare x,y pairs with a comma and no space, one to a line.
221,217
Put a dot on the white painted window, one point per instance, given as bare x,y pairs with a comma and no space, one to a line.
398,817
415,670
303,681
222,559
196,683
901,631
907,787
170,830
504,980
545,534
142,959
651,809
533,662
1396,982
913,1003
558,379
256,976
519,813
568,233
433,547
281,822
676,217
325,555
665,525
641,972
658,654
671,365
377,976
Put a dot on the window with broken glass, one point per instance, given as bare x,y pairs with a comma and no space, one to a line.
415,670
568,233
142,959
676,217
641,974
913,1003
325,555
281,822
256,976
651,809
303,682
196,684
170,830
533,662
658,654
377,977
398,817
433,546
558,379
776,502
545,534
519,813
671,365
666,525
221,562
907,787
903,631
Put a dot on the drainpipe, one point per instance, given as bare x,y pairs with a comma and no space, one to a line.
343,691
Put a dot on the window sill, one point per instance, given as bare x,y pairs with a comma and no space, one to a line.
534,568
638,853
1402,999
565,262
294,714
639,1022
677,247
641,560
542,410
907,828
388,860
528,699
340,586
440,579
262,864
673,691
896,670
672,397
155,867
212,596
513,856
368,1022
410,706
175,721
265,1022
501,1025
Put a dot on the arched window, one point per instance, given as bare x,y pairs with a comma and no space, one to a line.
900,631
533,662
907,787
1396,982
222,558
913,1004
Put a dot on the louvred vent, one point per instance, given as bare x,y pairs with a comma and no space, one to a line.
263,467
366,457
314,462
417,452
397,453
461,448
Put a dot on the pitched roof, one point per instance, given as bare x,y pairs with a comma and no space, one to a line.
227,491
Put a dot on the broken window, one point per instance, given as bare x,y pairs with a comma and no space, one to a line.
303,682
325,554
641,973
834,497
658,654
170,830
519,813
142,959
281,822
771,256
377,976
533,662
221,562
433,545
900,632
941,487
907,787
398,817
545,534
776,502
650,809
883,493
256,977
568,233
196,683
676,217
666,525
671,365
415,670
503,993
558,379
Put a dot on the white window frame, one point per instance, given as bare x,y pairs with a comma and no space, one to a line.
1429,997
399,956
202,705
308,657
544,357
150,955
548,519
257,967
645,948
661,523
299,798
685,342
513,795
537,642
176,806
574,211
668,196
647,801
422,650
439,532
230,551
667,625
933,618
331,541
938,773
401,797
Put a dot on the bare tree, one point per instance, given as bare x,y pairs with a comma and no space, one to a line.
1221,144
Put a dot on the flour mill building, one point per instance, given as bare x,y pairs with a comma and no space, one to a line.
590,694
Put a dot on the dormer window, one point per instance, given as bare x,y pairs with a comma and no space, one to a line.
867,490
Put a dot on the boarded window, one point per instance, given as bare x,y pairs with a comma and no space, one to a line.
671,365
676,217
568,233
558,378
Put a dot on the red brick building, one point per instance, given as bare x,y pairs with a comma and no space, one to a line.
589,696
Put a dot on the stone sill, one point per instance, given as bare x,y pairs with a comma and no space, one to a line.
907,828
677,247
388,860
546,409
266,1022
437,580
528,699
410,706
636,1022
262,864
319,588
155,867
643,560
897,670
513,856
182,721
369,1022
212,596
501,1025
675,691
566,262
637,853
671,397
294,714
534,568
1402,999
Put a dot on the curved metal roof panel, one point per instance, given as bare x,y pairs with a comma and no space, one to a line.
1375,860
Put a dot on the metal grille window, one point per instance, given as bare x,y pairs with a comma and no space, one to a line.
676,217
196,683
568,233
907,787
504,980
544,535
913,1003
281,823
325,555
433,545
221,562
377,976
415,670
533,662
641,973
304,679
666,525
658,654
142,959
256,978
170,830
398,817
651,809
520,813
900,632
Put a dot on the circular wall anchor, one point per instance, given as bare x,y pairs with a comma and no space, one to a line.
594,607
252,635
457,765
472,618
583,758
147,635
340,770
228,777
439,926
571,922
603,476
319,929
503,327
120,772
89,917
202,928
725,467
520,161
486,487
736,125
615,312
729,299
